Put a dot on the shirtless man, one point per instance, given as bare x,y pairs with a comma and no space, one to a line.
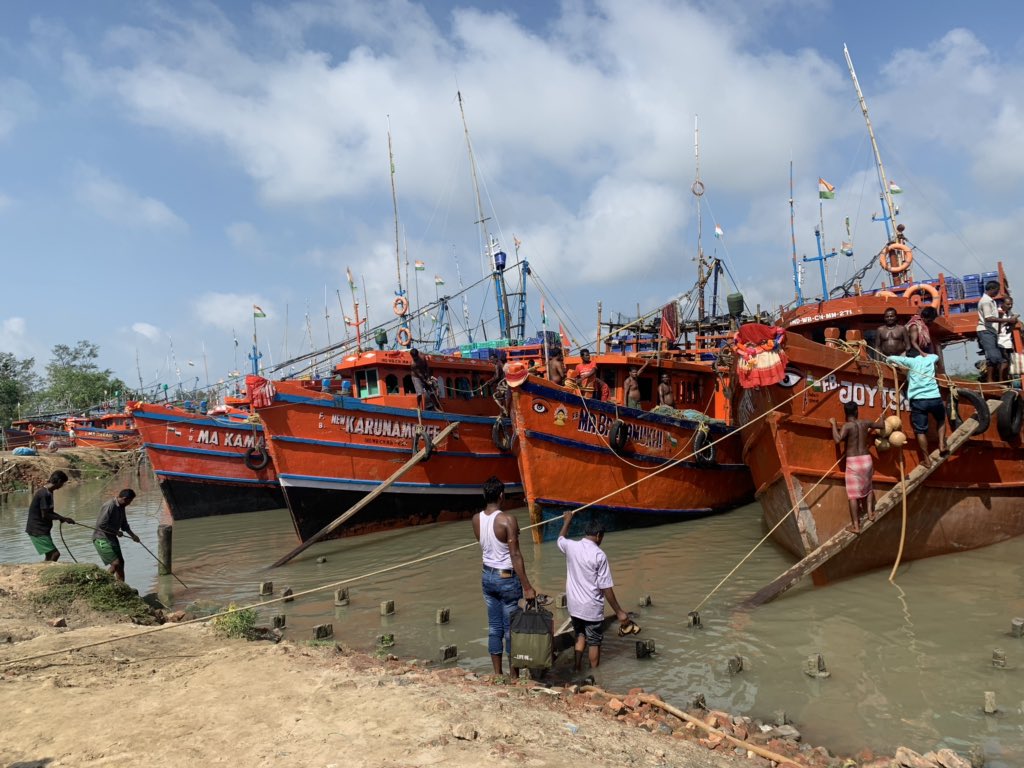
556,368
665,396
631,388
892,337
859,466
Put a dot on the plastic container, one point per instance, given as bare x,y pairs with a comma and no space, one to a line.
735,304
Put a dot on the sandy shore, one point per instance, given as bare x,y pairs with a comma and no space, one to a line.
185,695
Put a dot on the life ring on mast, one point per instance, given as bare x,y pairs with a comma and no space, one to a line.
401,305
257,459
403,337
911,293
886,262
618,435
886,295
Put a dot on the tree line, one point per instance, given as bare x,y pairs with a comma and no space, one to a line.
74,382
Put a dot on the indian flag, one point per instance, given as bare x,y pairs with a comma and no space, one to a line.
438,280
894,188
420,266
351,281
718,232
825,190
258,312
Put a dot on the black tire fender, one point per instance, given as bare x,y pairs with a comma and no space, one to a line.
500,436
618,435
420,439
981,412
704,449
257,459
1010,417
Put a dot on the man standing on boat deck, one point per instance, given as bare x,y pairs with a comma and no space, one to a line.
925,400
588,583
989,323
423,383
586,373
665,396
1005,338
556,367
504,579
41,516
112,522
919,333
859,466
892,337
631,388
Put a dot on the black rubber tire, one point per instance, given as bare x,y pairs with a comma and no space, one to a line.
257,459
420,438
981,412
618,435
500,436
704,449
1010,417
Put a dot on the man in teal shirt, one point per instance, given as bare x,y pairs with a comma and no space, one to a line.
925,400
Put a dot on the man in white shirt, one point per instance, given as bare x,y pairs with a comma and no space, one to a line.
989,323
588,584
1005,337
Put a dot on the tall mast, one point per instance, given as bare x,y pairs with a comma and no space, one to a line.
398,249
698,192
465,303
792,232
885,196
495,257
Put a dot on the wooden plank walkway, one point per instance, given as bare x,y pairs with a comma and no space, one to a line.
883,506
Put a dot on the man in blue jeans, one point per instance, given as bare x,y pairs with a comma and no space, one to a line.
504,573
925,400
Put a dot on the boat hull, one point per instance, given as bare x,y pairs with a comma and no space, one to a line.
331,450
972,500
200,463
562,444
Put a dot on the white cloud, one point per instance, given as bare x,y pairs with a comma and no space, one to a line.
14,338
150,332
244,237
18,104
118,203
227,311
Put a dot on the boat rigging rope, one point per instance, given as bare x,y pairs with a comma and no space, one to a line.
768,535
379,571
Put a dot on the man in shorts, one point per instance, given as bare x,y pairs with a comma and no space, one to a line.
925,401
989,324
859,467
588,583
112,522
41,516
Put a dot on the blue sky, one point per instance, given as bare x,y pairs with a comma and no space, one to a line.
165,166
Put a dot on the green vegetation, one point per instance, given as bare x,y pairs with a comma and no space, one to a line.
66,584
240,623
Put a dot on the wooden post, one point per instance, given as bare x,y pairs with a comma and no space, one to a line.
163,541
416,457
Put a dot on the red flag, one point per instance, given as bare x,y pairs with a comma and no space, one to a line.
565,339
669,321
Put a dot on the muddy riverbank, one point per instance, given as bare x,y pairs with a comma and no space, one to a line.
186,694
19,473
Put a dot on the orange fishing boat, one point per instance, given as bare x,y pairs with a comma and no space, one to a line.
335,440
972,499
107,431
632,466
213,463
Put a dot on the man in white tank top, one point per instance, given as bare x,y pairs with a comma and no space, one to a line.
504,579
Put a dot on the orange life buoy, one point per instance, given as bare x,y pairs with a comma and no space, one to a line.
886,294
912,291
401,305
403,337
890,250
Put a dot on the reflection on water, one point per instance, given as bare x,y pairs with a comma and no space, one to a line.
910,663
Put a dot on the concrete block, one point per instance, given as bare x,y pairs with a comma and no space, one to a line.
645,601
560,601
644,648
266,588
449,653
814,666
287,595
341,596
278,621
321,559
387,608
735,665
323,631
443,615
999,658
1017,627
693,620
